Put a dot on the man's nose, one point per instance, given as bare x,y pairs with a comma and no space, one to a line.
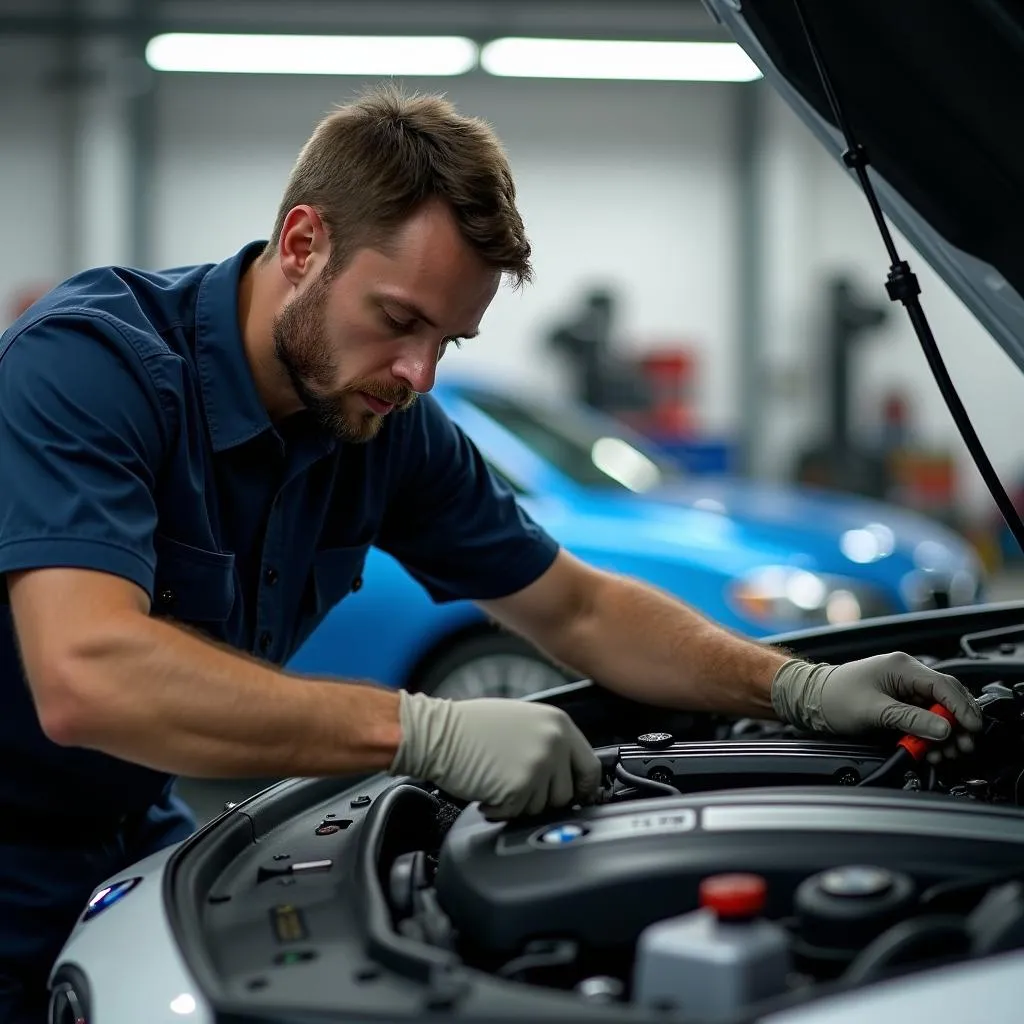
416,368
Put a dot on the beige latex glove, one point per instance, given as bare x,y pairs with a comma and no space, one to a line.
515,757
885,691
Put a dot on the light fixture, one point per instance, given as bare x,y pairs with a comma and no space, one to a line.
520,57
311,55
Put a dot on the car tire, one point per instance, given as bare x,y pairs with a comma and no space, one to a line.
492,665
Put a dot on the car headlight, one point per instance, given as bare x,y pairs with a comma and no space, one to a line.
783,596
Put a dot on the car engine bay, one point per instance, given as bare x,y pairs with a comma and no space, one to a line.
867,882
867,867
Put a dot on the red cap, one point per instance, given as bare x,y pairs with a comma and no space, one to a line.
733,895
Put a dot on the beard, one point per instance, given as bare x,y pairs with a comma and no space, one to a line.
301,346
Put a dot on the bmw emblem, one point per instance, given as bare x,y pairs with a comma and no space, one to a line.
562,835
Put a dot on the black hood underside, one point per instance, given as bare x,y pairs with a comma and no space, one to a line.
934,90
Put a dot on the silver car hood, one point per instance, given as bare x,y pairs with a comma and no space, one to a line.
934,93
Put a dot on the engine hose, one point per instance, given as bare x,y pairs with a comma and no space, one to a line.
885,769
641,783
909,943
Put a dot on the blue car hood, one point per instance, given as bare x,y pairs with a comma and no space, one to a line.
811,512
738,524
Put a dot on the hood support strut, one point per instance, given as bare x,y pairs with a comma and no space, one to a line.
902,286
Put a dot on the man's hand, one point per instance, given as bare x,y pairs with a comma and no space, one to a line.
885,691
514,757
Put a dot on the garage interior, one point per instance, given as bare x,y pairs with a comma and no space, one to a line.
704,272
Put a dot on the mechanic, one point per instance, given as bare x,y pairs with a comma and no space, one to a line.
194,464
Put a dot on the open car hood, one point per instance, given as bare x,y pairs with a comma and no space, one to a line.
933,91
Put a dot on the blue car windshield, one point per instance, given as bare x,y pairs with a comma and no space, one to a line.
593,451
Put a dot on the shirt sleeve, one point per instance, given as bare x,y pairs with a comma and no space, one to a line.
81,437
453,524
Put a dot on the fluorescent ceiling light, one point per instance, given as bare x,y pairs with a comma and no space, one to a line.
311,55
606,58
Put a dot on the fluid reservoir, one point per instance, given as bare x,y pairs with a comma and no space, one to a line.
841,910
715,960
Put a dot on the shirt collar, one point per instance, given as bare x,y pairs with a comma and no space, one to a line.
234,410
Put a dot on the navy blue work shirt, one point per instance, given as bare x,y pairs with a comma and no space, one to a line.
133,441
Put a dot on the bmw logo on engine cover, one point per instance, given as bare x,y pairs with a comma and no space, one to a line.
560,835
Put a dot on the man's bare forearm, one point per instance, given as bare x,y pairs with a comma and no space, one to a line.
647,645
152,693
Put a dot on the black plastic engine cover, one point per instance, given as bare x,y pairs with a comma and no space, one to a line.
600,876
723,764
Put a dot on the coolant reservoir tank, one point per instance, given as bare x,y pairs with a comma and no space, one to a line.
717,959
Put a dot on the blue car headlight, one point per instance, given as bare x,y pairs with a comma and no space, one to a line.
108,896
787,597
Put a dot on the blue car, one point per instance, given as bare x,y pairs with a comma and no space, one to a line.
757,558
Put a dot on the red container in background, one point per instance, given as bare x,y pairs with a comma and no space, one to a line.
671,374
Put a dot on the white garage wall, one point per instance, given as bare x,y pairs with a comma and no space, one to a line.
819,224
33,204
629,184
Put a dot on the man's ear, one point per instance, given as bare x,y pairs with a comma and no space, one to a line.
304,247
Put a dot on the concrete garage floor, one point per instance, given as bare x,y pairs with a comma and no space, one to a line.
207,797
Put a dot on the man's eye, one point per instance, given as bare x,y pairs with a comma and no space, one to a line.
444,345
396,325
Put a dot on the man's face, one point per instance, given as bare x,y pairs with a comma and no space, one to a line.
359,346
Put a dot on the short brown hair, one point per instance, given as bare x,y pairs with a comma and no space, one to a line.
370,164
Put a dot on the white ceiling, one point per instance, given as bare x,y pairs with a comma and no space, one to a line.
655,19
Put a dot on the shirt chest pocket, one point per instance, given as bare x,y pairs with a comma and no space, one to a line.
192,584
337,572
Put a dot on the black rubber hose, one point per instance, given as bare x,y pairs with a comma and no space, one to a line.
909,943
886,768
641,783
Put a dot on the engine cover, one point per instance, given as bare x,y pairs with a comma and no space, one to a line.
602,875
723,764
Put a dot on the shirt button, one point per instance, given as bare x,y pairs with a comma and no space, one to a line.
167,597
357,584
266,639
270,576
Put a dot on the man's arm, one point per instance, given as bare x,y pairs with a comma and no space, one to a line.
653,648
83,433
84,429
640,642
106,676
